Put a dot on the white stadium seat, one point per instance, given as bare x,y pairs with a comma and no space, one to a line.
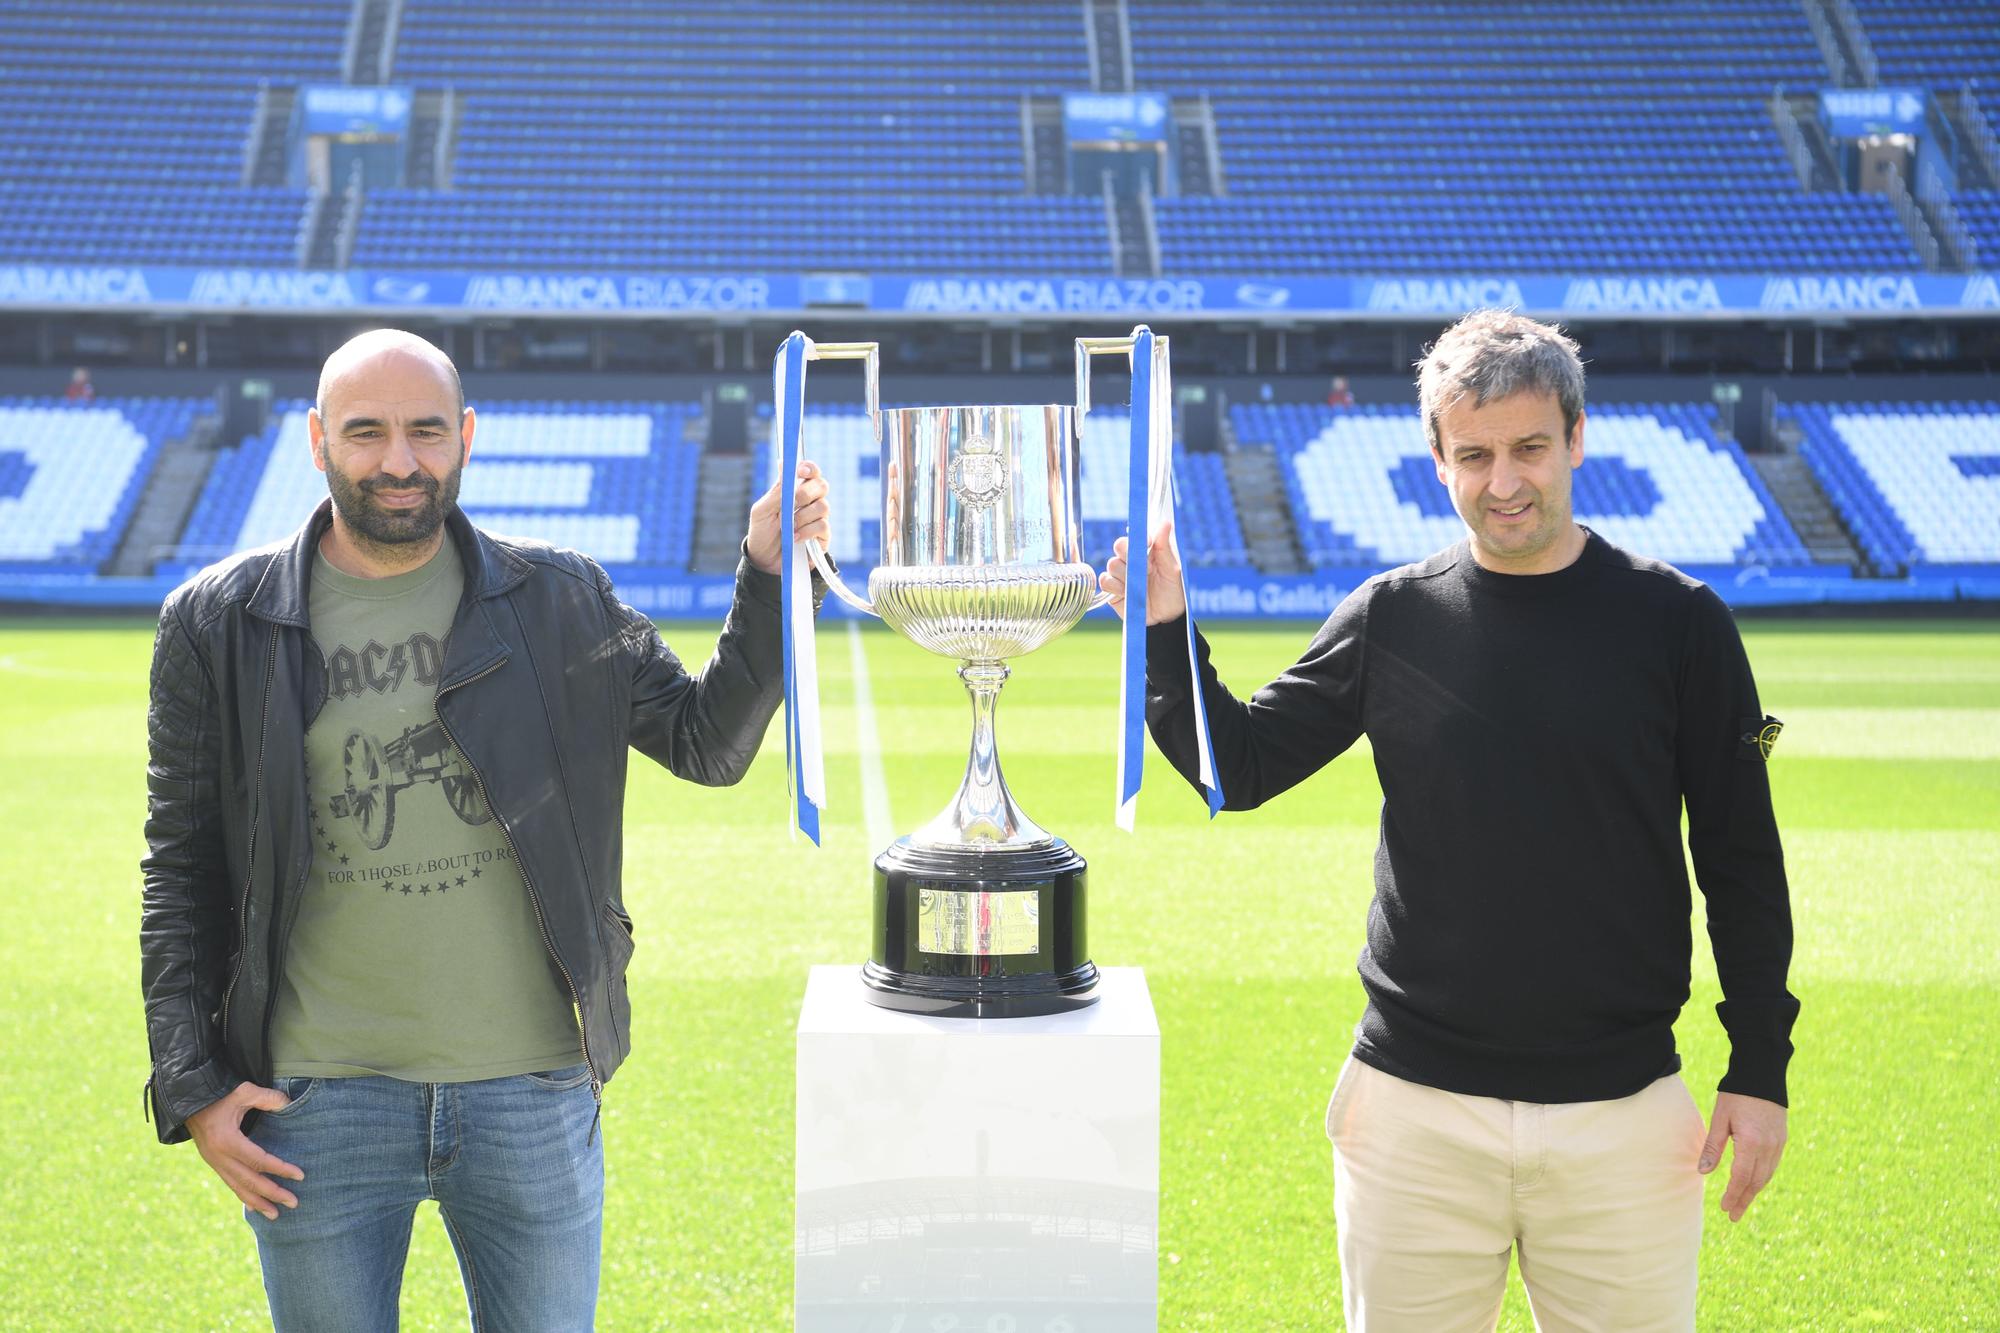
522,480
1705,514
80,461
1911,459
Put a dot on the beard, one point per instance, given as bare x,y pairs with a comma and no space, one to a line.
373,522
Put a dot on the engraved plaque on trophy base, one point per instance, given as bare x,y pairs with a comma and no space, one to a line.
980,935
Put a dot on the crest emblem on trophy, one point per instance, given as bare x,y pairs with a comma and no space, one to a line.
978,474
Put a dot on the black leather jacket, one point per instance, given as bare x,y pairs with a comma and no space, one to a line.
547,680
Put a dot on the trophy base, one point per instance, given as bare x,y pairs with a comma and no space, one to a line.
979,934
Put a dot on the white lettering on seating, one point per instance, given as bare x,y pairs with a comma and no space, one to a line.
1642,294
33,284
1982,290
657,293
1444,296
270,287
1003,295
1872,291
518,291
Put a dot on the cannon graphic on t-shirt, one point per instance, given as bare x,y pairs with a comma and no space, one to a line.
376,772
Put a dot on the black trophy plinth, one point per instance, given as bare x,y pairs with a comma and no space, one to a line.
977,934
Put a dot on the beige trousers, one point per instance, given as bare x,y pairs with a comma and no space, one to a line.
1432,1189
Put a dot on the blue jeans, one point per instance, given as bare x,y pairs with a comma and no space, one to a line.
513,1164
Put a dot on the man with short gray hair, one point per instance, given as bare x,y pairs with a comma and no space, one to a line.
1540,705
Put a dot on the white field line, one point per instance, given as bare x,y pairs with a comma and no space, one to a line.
28,667
1876,675
874,788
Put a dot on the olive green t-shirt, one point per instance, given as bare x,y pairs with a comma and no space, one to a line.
417,952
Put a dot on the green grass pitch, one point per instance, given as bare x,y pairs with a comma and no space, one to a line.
1885,1214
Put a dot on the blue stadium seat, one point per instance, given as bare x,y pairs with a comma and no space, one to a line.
123,128
1354,138
1370,139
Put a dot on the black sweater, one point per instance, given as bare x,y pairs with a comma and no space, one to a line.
1535,737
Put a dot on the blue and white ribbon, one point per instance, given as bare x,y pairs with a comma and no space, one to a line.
1149,504
805,765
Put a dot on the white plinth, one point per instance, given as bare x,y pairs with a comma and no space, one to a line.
977,1176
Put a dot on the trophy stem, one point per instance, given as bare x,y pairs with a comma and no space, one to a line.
983,814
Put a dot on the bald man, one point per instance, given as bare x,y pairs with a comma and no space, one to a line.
384,939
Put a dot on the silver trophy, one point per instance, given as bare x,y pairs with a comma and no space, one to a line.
979,913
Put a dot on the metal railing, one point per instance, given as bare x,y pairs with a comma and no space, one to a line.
352,200
447,138
1090,42
392,32
1857,40
1152,229
1027,144
316,203
1953,237
1111,226
253,147
1912,219
350,46
1215,185
1979,131
1792,137
1125,43
1829,45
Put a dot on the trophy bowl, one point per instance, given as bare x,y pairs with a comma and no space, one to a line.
979,913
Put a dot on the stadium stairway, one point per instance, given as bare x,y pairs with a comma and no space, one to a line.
722,496
269,129
1258,482
370,52
1791,483
172,490
1110,41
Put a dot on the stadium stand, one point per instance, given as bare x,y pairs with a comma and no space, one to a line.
123,128
71,475
1655,479
1936,45
1917,483
1209,531
1354,137
1368,138
1980,211
614,480
1945,48
882,136
887,136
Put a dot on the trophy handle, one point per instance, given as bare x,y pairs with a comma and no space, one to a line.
870,357
1086,348
817,554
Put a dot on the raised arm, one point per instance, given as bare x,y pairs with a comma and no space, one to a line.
707,726
1283,733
